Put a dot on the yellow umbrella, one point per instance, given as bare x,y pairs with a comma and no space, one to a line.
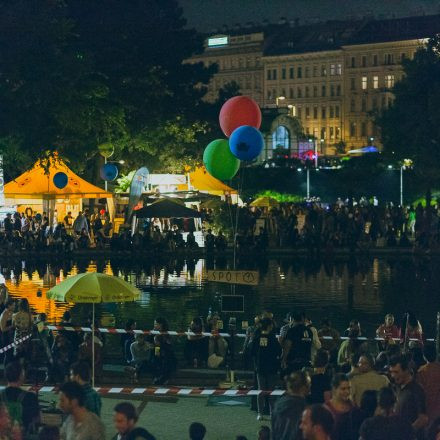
265,202
92,288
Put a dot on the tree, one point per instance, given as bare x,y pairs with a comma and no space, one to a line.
410,127
76,73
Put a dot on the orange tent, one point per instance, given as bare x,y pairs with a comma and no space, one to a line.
201,180
35,184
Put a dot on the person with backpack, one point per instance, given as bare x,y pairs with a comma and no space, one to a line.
265,351
22,405
125,419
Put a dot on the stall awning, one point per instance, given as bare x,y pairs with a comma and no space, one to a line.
201,180
35,184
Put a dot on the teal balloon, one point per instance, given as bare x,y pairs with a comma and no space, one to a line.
219,161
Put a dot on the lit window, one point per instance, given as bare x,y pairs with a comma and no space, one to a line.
281,138
364,83
375,82
338,132
332,69
323,70
389,81
339,69
332,133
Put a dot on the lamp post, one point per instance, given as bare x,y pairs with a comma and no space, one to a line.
278,99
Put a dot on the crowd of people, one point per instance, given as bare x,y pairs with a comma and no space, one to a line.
337,387
315,226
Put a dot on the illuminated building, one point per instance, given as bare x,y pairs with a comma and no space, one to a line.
331,76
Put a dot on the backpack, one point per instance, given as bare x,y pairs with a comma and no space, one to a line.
15,407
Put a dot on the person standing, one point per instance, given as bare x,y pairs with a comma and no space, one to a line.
125,419
80,373
320,390
410,395
340,402
367,379
7,329
386,425
265,351
22,322
428,377
297,345
22,405
316,423
80,423
287,411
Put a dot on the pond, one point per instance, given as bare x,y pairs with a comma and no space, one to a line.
341,289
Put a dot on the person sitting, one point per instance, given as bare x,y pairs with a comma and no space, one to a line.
125,419
163,360
196,347
86,353
141,352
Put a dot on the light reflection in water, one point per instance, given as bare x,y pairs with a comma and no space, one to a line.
177,289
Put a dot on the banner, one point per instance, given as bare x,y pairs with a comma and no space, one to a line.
2,183
136,188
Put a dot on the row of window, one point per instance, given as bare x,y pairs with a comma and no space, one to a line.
334,133
314,71
306,92
384,102
373,81
373,60
234,63
331,112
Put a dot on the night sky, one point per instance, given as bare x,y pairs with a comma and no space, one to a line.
206,15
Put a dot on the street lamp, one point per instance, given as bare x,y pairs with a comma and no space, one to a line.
315,151
279,98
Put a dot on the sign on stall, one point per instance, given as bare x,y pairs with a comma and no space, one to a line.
248,277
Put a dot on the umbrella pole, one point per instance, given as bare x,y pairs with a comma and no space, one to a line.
93,345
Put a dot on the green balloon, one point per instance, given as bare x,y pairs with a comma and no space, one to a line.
219,161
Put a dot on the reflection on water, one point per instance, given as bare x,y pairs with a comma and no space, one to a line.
341,289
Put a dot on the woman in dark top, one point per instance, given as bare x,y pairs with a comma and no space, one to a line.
320,390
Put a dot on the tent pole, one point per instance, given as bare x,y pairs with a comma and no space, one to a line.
93,346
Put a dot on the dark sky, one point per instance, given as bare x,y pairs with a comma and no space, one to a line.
206,15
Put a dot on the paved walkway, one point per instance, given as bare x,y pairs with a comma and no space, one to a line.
168,418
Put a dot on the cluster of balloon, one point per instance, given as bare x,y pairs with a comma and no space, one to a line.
60,180
240,119
108,172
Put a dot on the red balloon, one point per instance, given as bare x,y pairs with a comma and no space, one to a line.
238,111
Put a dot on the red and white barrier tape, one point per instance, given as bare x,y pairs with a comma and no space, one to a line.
172,391
112,330
14,344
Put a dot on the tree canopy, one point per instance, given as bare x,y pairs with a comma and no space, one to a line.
410,127
77,73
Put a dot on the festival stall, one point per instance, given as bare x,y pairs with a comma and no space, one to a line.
55,191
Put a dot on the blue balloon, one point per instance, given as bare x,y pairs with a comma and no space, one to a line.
109,172
246,142
60,180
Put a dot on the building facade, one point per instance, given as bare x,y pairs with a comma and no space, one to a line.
330,77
